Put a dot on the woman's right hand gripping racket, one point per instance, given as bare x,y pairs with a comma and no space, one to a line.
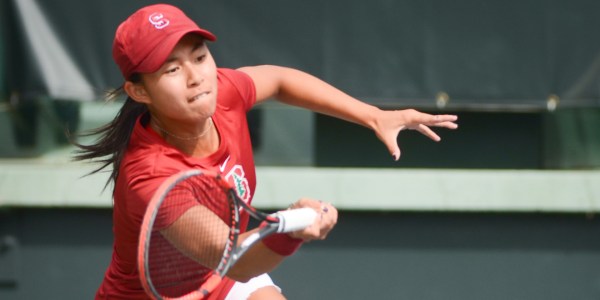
189,235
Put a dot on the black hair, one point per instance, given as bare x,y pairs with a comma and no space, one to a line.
113,139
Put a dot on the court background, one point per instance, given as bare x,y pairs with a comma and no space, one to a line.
504,208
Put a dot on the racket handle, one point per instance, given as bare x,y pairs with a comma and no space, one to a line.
295,219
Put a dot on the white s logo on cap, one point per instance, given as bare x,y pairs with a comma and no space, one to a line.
158,20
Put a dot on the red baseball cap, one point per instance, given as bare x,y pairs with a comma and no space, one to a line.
144,41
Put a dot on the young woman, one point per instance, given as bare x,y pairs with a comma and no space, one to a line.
183,112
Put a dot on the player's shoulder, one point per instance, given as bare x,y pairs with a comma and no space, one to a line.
235,85
232,76
146,161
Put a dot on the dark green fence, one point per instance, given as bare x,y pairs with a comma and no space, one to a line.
523,75
481,54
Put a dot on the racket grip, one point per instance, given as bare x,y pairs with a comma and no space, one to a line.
295,219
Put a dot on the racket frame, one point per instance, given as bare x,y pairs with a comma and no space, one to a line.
232,251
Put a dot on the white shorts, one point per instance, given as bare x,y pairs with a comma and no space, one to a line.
242,290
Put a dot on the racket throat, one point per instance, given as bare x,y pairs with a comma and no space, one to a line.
229,256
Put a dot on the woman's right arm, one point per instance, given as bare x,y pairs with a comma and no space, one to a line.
259,259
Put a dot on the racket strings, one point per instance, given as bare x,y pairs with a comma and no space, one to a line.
175,272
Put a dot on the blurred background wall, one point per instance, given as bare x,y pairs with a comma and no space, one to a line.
503,208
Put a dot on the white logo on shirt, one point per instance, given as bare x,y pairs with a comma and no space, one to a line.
224,164
237,177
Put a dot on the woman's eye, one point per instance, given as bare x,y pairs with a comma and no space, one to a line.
200,58
171,70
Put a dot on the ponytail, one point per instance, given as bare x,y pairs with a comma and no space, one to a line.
110,147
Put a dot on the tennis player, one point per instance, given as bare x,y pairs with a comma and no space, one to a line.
184,112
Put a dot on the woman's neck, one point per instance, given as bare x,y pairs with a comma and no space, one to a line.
203,144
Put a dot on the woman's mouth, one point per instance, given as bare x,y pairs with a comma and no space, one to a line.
198,97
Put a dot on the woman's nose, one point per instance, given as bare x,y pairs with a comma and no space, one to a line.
194,76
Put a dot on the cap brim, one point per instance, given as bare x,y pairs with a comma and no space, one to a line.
157,57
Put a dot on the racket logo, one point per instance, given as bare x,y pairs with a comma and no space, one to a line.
158,20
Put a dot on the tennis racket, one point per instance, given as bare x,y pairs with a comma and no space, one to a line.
189,235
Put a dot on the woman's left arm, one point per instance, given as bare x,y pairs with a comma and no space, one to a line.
301,89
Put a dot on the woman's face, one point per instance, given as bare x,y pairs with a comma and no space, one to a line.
184,89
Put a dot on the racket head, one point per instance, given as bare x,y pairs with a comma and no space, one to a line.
167,271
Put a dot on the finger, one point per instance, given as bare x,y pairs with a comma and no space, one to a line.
396,153
449,125
309,233
329,210
307,202
314,231
444,118
428,132
391,142
326,230
329,219
441,124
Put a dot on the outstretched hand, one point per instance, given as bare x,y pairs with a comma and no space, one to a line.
389,124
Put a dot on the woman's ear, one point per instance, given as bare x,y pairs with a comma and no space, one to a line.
137,92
